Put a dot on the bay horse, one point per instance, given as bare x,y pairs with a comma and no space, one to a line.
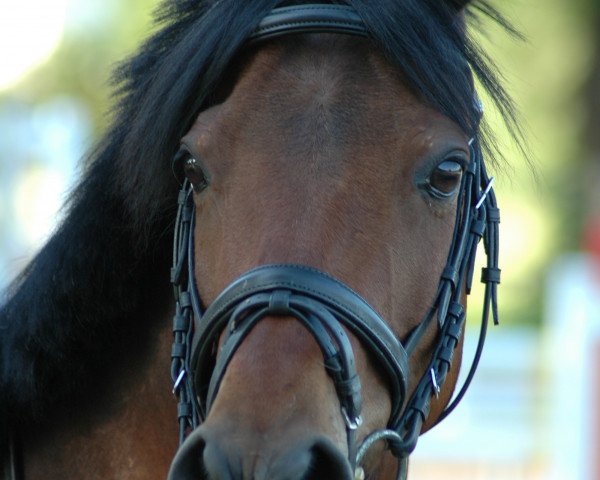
327,174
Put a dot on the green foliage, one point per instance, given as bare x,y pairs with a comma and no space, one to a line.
542,211
82,64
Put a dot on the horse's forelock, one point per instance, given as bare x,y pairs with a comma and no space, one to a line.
175,73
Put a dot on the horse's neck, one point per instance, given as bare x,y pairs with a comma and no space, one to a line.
133,435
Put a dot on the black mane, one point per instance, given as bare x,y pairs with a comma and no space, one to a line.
75,308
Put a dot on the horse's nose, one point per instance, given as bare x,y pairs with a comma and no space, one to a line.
205,457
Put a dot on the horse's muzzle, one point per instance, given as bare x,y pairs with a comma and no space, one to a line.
206,455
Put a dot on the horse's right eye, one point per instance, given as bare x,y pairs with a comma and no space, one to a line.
195,174
193,169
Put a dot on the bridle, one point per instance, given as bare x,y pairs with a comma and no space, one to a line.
324,306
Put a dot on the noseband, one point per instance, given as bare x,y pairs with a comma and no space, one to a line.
325,306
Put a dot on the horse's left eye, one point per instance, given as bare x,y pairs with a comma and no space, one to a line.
445,178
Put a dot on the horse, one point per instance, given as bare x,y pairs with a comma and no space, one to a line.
308,179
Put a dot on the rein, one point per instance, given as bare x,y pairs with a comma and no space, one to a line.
324,305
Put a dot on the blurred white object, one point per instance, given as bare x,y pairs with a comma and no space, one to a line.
38,168
572,353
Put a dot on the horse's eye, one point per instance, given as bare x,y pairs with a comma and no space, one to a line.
445,178
195,173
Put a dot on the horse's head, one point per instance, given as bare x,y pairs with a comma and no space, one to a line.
319,156
333,195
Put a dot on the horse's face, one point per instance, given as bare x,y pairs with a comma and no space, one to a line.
319,155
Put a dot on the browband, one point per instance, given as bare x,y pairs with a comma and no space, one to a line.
312,18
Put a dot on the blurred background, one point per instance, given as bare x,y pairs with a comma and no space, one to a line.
532,412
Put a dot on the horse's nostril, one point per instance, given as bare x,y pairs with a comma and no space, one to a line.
328,462
203,457
218,465
316,459
188,463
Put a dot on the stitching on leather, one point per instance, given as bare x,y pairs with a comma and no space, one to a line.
292,8
345,313
284,284
308,23
312,23
310,290
317,272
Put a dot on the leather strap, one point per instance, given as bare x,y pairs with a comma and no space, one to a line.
312,18
314,292
331,338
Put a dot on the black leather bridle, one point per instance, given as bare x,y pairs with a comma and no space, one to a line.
324,306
